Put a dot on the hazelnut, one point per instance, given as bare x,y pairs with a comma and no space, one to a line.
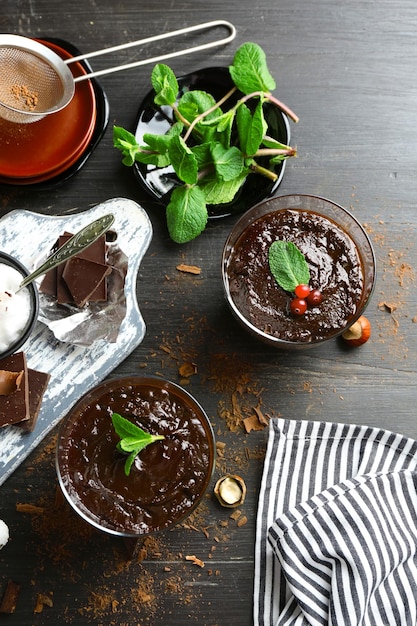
230,490
358,333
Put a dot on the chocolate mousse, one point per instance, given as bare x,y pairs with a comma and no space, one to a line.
335,266
167,478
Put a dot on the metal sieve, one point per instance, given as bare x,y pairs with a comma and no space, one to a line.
37,82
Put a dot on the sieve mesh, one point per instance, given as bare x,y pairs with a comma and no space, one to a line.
29,84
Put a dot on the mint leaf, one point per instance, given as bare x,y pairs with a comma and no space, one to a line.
228,162
126,142
186,214
202,153
220,192
249,71
251,128
270,142
183,161
288,265
133,439
165,85
161,143
195,102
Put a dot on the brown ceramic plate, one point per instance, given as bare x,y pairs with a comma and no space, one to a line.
45,148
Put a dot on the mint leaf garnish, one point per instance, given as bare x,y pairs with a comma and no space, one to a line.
288,265
133,439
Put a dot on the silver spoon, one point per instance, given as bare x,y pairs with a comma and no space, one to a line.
78,242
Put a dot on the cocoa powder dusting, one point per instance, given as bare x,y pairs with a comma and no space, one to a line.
392,304
26,98
133,587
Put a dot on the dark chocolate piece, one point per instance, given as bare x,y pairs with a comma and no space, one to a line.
96,252
38,382
82,278
49,283
86,280
15,406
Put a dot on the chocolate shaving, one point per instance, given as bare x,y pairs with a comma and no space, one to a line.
195,560
10,596
189,269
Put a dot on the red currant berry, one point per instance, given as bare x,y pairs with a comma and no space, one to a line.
302,291
298,306
314,297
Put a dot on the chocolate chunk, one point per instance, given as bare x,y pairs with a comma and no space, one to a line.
86,280
96,252
82,278
10,596
49,283
14,407
38,382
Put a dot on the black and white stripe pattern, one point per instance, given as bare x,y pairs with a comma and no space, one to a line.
336,536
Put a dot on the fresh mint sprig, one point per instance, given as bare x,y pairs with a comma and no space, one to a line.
133,439
288,265
209,163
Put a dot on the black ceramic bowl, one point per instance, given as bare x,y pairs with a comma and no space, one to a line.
159,182
31,293
168,478
340,258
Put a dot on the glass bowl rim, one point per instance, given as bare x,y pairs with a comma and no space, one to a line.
250,216
116,382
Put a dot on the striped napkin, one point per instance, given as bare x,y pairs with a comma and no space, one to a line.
336,536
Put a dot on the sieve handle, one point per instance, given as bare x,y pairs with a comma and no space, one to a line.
175,33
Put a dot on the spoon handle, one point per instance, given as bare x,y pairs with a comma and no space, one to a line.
78,242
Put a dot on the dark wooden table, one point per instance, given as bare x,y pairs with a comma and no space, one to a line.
349,70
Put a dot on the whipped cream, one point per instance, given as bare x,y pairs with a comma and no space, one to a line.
15,308
4,534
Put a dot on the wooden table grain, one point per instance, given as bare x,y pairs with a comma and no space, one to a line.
348,69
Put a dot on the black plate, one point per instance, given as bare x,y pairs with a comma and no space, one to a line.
159,182
102,120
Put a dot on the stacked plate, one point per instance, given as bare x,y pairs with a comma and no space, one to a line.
56,146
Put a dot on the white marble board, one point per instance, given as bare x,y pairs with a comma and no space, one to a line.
74,369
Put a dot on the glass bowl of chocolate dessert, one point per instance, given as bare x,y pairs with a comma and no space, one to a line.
166,480
333,246
18,307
